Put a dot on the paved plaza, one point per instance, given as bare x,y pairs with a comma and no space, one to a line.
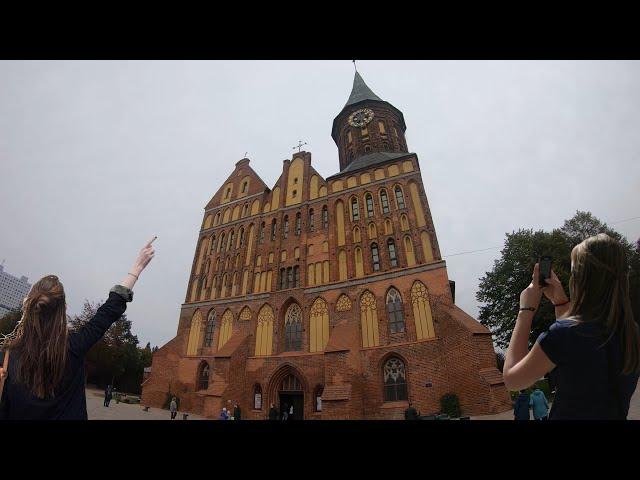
123,411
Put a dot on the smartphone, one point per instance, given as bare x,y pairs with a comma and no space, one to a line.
545,270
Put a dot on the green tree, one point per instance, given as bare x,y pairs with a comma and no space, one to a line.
499,290
9,321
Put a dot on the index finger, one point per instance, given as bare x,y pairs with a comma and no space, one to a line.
151,241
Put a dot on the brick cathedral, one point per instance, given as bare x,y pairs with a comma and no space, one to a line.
328,295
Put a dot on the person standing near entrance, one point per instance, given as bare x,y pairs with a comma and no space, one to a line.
107,395
291,412
173,408
285,412
411,413
236,412
273,412
224,415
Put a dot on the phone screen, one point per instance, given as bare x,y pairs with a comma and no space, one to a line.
545,269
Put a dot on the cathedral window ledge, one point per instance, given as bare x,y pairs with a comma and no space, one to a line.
399,404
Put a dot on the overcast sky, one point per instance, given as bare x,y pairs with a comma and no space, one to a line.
98,156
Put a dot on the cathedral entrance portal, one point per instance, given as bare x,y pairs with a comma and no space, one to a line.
290,394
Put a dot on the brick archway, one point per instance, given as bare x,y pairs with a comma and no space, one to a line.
276,380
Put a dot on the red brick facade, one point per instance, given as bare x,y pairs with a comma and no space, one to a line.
422,349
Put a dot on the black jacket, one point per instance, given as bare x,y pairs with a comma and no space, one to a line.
273,414
69,401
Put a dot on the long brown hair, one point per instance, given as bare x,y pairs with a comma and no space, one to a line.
41,338
599,289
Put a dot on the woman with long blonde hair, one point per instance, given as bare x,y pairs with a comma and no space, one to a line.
593,347
44,378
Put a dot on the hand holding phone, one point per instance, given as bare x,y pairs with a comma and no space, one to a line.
545,270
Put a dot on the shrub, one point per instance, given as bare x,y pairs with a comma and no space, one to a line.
450,404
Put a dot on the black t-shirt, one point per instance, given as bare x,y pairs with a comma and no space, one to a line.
587,374
69,401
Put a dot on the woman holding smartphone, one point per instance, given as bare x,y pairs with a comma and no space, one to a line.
594,344
44,377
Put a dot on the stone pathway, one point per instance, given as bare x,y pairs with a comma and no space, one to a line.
634,411
124,411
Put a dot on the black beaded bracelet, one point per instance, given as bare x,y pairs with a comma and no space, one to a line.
531,309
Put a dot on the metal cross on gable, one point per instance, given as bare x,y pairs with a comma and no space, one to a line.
299,146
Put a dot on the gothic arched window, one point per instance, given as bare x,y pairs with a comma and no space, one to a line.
311,227
298,223
273,230
384,201
375,257
399,197
203,376
369,201
393,258
355,209
394,311
395,380
262,232
211,325
293,328
325,217
285,227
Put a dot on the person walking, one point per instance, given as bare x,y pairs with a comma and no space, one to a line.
273,412
411,413
285,412
107,395
224,415
539,405
236,411
594,341
291,412
173,408
521,407
45,375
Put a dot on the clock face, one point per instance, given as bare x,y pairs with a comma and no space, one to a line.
361,117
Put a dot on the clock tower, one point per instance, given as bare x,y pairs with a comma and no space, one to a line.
367,128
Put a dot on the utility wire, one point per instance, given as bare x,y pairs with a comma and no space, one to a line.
493,248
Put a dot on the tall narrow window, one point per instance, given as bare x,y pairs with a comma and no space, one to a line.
355,209
244,187
375,257
311,227
203,376
395,380
325,217
399,197
245,209
393,258
262,232
285,227
369,200
283,278
298,223
290,277
394,311
213,245
296,276
241,237
273,230
230,244
211,325
221,244
293,328
384,201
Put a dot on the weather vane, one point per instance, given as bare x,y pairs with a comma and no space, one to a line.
245,154
299,146
354,65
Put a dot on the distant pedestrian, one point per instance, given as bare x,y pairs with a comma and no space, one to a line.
224,415
411,413
521,407
285,412
540,405
236,411
173,408
273,412
291,412
108,394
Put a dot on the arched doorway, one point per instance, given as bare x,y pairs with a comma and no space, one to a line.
291,394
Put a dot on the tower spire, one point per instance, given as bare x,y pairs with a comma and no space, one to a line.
360,91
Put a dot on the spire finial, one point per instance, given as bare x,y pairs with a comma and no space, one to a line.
354,65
